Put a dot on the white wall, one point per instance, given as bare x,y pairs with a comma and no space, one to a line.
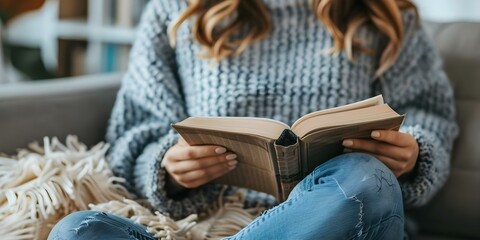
449,10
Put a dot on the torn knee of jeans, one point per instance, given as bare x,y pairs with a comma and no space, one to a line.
83,225
87,221
360,224
382,177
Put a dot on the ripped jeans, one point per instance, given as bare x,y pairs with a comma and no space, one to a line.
353,196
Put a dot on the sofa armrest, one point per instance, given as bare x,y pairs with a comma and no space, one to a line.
32,110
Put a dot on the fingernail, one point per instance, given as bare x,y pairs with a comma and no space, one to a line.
220,150
347,143
375,134
232,162
231,156
232,167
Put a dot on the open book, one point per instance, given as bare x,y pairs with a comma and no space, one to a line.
273,157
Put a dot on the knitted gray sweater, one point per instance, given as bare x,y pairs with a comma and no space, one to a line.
281,77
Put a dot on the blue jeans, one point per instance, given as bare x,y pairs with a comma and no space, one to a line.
353,196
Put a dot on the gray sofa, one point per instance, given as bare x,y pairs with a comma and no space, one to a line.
81,106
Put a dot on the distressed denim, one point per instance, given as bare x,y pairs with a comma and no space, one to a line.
353,196
92,225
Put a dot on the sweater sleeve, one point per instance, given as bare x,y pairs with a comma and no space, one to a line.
139,132
417,86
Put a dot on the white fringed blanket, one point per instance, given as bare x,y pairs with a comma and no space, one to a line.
40,186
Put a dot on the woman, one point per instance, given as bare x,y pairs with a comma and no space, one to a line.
282,59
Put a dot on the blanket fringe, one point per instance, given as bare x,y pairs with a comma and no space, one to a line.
227,217
43,185
40,186
159,225
224,219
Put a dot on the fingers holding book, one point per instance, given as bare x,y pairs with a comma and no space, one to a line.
194,166
397,150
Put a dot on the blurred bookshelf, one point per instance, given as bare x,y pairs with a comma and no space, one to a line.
95,36
76,37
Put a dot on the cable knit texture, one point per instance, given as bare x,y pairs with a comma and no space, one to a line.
282,77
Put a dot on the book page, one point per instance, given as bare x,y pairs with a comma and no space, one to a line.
318,147
357,116
262,127
255,169
377,100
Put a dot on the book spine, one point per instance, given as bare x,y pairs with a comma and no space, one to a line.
124,13
288,160
111,57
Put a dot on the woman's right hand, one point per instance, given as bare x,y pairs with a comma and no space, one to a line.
194,166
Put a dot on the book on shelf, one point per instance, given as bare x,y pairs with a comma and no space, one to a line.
128,12
127,16
110,58
272,156
124,13
78,60
73,9
71,57
105,26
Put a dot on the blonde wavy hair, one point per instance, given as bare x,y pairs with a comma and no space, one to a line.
218,24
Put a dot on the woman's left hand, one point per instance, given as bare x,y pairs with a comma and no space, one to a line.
397,150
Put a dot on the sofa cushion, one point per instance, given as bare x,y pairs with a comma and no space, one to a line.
459,45
80,106
455,211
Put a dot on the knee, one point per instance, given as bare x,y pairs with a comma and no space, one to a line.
367,178
360,163
85,225
73,225
359,166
